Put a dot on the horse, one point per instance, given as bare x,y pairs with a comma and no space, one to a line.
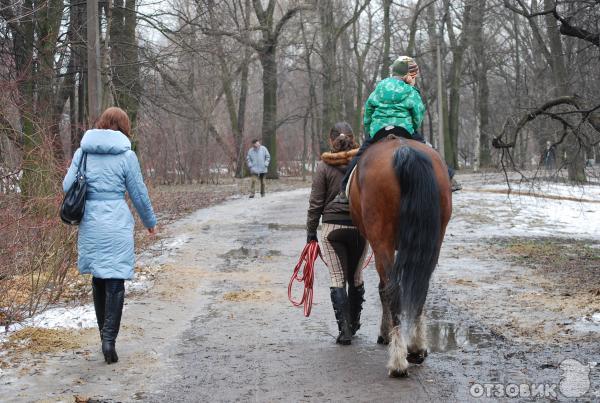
401,201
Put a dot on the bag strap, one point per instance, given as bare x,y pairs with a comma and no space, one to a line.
82,163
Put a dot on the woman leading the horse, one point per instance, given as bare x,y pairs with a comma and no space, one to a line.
344,248
395,108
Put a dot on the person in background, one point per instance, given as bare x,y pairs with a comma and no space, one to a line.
258,159
105,241
549,156
344,248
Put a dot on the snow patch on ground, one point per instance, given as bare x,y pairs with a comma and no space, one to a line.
588,324
491,214
589,192
76,317
70,317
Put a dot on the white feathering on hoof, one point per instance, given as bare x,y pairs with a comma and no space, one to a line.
420,340
397,364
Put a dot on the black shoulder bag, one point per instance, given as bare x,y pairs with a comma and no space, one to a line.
73,205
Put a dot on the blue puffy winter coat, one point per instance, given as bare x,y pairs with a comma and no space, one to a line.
105,242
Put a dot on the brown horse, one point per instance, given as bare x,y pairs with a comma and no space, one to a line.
401,201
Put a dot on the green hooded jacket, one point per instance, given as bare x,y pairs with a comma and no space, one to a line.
393,103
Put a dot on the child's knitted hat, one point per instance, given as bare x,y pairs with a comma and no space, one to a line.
405,65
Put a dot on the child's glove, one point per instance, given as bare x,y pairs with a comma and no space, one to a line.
311,236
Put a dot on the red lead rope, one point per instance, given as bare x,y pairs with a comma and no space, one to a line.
309,256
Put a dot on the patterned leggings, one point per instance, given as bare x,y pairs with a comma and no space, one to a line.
344,251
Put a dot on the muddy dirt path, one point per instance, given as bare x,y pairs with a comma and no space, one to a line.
217,325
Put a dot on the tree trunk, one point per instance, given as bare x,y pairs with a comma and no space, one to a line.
387,33
330,91
410,47
241,118
124,57
435,43
35,48
483,91
575,153
269,83
458,53
93,58
347,83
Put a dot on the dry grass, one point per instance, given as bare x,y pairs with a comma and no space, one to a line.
39,340
558,256
569,269
244,295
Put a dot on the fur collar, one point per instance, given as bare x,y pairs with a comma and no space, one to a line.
339,158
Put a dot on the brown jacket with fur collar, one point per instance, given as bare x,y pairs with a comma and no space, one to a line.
327,180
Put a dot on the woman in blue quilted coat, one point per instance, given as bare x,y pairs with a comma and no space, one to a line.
105,242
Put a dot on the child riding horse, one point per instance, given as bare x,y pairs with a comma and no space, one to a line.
394,107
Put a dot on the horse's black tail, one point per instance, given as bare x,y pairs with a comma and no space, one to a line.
417,238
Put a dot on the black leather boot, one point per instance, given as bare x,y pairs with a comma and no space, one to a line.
115,296
339,299
356,297
99,294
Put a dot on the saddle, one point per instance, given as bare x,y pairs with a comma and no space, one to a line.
388,137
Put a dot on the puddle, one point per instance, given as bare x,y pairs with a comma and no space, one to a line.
177,243
244,254
444,335
285,227
249,253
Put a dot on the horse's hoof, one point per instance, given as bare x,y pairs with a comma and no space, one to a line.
398,373
381,340
417,357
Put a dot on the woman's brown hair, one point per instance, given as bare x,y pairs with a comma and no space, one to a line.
341,137
114,118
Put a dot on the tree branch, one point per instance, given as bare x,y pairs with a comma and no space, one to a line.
286,17
351,20
572,100
569,30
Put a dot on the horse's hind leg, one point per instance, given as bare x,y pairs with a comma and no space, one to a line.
417,348
381,259
397,364
390,319
386,318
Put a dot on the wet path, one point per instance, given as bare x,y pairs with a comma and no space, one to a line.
217,325
249,343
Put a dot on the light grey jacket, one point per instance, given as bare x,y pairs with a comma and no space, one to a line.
258,160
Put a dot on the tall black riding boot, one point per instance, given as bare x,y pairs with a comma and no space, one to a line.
115,296
339,299
355,299
99,294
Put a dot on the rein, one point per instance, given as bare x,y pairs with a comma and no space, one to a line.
308,257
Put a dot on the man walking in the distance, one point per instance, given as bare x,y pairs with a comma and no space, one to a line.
258,159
